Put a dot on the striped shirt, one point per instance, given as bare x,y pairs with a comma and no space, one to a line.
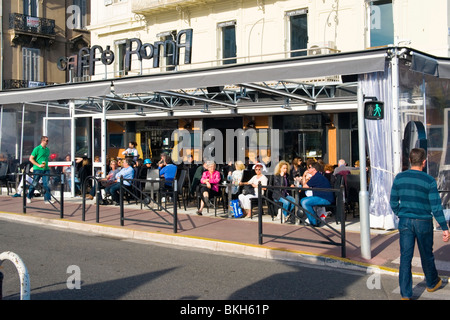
415,195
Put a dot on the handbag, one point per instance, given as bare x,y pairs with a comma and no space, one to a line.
248,189
236,209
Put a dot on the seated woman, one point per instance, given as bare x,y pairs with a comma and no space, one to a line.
236,177
281,179
244,199
105,182
210,185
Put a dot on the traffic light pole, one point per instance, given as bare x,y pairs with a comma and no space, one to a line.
363,194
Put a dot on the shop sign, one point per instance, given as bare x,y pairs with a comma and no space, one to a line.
88,57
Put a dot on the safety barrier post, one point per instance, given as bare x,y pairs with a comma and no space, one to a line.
23,273
61,198
260,232
121,202
175,211
97,191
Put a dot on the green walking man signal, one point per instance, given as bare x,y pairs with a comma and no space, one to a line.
373,110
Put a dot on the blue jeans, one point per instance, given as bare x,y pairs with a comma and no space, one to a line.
309,202
410,231
287,206
34,184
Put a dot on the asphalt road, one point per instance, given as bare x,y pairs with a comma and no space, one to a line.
64,265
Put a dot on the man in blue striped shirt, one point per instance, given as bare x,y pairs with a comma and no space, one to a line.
415,200
127,172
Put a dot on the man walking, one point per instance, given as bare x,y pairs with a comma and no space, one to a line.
415,200
39,159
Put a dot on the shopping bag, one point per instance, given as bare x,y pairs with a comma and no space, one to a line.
236,209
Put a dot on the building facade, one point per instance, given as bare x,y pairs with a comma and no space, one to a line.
297,71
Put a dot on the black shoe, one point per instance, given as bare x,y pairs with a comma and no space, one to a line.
199,213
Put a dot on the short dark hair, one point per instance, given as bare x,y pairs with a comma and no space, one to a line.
417,156
317,166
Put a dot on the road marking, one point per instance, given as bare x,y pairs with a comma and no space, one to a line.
440,265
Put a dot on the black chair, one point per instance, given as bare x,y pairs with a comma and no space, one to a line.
152,188
4,176
216,200
266,193
180,189
353,188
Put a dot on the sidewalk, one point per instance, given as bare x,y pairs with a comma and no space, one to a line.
221,234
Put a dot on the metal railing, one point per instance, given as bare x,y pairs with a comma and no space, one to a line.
61,199
144,198
340,216
24,23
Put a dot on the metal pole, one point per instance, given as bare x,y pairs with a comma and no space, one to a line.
260,236
72,146
363,194
121,201
103,139
24,190
61,197
396,133
340,211
175,210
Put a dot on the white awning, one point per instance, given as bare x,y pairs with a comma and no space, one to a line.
57,92
299,68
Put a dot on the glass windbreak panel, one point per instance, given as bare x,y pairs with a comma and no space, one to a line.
58,132
11,132
229,44
97,141
437,129
32,129
299,34
381,23
83,137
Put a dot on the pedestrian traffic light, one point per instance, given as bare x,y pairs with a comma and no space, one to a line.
374,110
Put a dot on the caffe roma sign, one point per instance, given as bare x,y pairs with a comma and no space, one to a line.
88,57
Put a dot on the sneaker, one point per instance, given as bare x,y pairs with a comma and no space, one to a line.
436,287
28,200
49,201
17,195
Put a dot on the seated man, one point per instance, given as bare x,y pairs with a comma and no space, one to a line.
168,172
317,180
127,172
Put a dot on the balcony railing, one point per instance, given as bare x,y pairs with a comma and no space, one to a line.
28,24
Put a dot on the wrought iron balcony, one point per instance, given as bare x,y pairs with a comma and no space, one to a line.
30,27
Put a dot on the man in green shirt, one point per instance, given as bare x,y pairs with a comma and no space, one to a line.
39,159
415,200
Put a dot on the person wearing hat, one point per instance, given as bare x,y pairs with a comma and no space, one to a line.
147,166
244,199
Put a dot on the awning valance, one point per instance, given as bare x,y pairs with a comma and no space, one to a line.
302,68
